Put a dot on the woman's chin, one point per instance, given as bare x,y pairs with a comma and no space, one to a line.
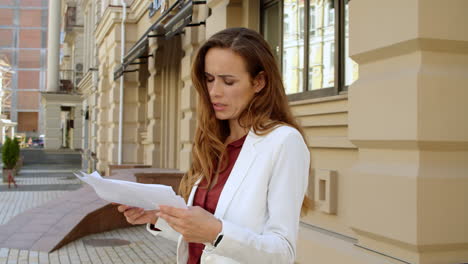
221,117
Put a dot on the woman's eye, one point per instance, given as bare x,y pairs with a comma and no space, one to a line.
209,80
228,83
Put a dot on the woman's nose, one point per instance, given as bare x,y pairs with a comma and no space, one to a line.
216,89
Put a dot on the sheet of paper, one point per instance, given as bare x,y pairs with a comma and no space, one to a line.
147,196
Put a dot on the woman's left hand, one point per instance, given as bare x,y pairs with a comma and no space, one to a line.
195,224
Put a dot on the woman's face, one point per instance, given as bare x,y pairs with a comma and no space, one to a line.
229,84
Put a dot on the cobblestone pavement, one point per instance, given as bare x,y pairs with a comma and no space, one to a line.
128,245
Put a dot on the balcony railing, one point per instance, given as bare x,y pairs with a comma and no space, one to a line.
67,81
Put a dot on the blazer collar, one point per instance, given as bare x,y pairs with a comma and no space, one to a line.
192,192
245,159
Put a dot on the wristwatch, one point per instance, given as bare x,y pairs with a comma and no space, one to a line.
218,239
152,227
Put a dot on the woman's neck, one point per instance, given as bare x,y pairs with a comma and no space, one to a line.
236,131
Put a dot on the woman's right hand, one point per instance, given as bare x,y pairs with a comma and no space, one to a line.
138,216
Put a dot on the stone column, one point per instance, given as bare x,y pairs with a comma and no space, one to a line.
53,46
78,127
3,133
153,133
52,124
407,116
191,41
102,119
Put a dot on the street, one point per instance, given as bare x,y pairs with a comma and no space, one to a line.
47,175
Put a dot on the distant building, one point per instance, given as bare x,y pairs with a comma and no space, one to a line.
61,99
7,127
23,41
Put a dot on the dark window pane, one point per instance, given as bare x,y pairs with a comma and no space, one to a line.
271,24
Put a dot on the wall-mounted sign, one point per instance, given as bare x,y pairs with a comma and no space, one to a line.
157,5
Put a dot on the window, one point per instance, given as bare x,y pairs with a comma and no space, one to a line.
293,46
330,12
270,28
311,44
312,23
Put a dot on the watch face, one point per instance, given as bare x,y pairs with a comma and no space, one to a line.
218,239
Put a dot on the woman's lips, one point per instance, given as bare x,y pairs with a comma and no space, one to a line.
219,107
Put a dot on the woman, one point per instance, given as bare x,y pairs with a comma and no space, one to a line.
250,168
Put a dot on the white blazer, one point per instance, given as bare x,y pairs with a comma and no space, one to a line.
260,204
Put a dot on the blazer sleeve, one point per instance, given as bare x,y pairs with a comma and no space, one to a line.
165,230
286,189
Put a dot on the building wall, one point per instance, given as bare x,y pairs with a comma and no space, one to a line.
389,162
388,158
88,84
164,106
23,37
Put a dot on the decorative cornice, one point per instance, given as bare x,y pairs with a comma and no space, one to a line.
57,98
138,9
112,15
86,84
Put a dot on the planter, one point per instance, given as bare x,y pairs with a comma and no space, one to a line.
5,174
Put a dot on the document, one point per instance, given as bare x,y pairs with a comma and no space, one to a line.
147,196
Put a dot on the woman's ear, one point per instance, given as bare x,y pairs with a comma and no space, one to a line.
259,82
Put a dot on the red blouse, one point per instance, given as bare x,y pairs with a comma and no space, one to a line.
208,199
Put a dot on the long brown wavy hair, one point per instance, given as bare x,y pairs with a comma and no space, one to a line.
267,109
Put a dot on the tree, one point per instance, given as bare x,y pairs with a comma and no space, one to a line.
10,153
16,147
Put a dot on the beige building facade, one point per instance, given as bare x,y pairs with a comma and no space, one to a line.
379,87
62,103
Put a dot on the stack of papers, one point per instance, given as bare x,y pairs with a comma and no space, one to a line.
146,196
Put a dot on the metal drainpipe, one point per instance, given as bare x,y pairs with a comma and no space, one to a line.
122,54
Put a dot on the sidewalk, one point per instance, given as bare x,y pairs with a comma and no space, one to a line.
129,245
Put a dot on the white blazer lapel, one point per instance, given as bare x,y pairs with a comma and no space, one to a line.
244,160
192,192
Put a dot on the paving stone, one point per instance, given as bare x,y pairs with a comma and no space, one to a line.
143,247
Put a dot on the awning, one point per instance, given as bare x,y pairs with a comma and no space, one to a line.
170,23
136,52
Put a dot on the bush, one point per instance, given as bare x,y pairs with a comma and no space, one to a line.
9,153
16,147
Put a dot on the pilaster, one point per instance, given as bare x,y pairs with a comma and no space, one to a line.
409,185
191,41
53,45
151,141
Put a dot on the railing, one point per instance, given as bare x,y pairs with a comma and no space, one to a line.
67,80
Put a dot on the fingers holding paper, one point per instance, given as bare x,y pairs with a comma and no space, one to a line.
138,216
195,224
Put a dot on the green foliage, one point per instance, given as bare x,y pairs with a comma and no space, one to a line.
10,153
16,147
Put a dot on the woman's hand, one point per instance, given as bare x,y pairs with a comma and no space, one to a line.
138,216
195,224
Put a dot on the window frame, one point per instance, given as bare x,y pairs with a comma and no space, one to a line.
339,46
